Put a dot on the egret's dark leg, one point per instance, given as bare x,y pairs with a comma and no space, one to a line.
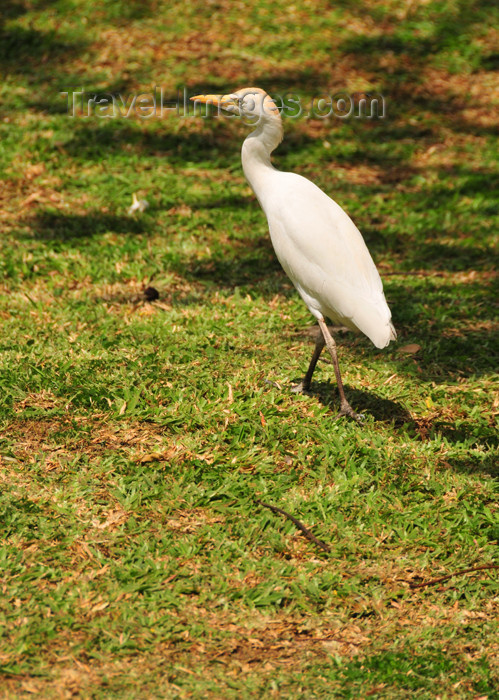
304,385
345,408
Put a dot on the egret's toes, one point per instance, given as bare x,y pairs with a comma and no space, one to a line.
347,410
299,388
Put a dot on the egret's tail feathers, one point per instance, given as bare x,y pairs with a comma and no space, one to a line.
382,336
376,324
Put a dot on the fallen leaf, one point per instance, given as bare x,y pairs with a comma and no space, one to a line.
410,349
152,457
34,170
33,197
30,687
182,210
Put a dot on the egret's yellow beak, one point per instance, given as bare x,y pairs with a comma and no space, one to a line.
217,100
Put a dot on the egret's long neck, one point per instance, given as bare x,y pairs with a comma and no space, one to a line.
256,150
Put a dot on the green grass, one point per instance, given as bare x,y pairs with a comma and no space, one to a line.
136,435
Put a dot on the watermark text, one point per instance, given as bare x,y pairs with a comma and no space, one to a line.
157,103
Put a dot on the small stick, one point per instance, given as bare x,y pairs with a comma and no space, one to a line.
434,581
298,524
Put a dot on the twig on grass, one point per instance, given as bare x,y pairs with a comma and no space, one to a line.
309,535
434,581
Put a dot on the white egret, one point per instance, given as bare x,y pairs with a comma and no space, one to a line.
316,242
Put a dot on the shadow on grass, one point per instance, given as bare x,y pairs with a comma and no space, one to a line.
388,411
451,347
89,141
58,226
11,9
38,56
466,431
219,143
445,29
364,402
487,463
256,267
37,50
123,12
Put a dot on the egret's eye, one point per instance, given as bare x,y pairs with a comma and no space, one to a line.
250,103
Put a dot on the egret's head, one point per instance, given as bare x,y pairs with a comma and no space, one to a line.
251,103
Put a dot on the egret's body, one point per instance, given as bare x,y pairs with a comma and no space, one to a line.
316,242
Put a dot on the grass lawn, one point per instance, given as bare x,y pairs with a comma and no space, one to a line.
137,435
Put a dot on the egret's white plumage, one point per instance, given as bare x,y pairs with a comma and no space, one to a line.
316,242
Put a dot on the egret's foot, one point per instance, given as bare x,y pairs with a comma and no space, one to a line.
300,388
347,410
